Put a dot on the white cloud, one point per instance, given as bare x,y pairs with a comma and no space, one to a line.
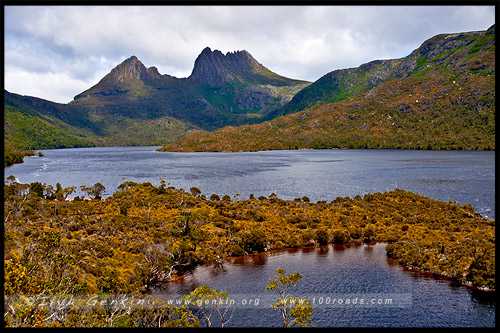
56,52
56,87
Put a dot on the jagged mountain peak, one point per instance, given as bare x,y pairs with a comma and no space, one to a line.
131,80
153,71
208,51
126,78
130,69
209,57
131,59
215,68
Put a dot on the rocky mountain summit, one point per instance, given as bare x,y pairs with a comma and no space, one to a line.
215,69
223,89
131,69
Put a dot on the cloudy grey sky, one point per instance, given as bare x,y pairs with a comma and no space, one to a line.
57,52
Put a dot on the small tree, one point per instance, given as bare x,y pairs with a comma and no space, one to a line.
10,180
184,222
37,189
49,192
214,197
62,193
94,192
340,236
295,311
369,233
126,185
322,237
195,191
163,185
209,302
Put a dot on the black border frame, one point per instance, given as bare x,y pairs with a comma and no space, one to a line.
242,3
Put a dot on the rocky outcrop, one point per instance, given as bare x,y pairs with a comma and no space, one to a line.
130,69
215,68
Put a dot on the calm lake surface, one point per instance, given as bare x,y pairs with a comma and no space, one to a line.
342,273
466,177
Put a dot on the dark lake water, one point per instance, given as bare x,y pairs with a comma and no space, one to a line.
466,177
342,273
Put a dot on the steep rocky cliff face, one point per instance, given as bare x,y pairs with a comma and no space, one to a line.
130,69
215,69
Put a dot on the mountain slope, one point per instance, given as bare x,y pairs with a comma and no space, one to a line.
25,131
440,97
342,84
37,132
71,115
24,114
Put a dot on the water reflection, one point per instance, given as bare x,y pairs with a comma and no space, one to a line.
322,250
259,259
254,259
483,297
307,250
344,269
339,247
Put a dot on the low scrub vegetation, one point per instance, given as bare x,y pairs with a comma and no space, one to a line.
144,235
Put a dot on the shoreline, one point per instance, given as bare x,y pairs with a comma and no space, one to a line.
315,149
409,269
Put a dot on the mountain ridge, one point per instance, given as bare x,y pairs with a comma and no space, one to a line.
131,78
340,84
215,68
444,87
